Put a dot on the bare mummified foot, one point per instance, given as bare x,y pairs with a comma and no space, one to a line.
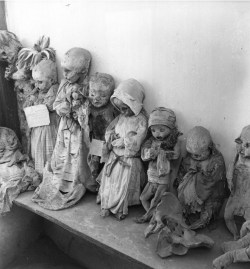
120,216
140,220
104,213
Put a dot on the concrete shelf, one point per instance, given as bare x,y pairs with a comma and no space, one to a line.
126,238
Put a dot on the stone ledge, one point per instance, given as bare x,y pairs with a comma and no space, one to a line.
126,238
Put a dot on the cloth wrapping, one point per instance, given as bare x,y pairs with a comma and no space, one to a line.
17,173
65,179
122,176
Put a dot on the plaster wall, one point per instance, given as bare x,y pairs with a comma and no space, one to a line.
192,57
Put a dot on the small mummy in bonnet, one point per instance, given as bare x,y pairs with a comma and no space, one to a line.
76,64
161,121
45,74
128,97
199,143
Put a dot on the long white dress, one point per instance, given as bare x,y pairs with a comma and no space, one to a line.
63,183
43,138
123,173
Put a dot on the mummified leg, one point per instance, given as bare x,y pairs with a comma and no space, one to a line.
234,256
241,243
229,219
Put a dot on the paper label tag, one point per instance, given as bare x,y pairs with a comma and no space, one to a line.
37,116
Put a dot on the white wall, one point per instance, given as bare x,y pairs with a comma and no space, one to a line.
192,57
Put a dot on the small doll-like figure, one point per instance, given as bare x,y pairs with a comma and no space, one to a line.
43,138
122,175
17,173
102,112
238,177
162,147
201,178
64,180
235,251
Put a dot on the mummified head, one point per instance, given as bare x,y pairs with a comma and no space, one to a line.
76,64
9,143
21,74
101,87
199,143
45,74
9,46
243,142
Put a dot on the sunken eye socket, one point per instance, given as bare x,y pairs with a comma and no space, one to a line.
246,145
161,130
66,71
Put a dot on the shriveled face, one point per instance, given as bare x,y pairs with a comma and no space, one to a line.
243,143
8,54
42,82
99,94
124,109
199,143
43,85
73,65
201,155
21,74
70,73
8,144
243,147
159,131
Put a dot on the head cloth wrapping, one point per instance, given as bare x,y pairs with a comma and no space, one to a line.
131,93
162,116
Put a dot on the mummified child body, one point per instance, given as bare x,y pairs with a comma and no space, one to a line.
122,175
102,112
162,147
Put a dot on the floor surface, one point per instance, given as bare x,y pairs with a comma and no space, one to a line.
43,254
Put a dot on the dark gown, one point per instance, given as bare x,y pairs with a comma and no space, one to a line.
8,103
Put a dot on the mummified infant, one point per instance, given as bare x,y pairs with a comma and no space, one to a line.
43,138
102,113
122,175
160,149
202,179
238,177
64,182
17,173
